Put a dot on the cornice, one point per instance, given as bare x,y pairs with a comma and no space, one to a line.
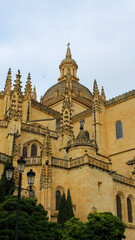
45,108
120,98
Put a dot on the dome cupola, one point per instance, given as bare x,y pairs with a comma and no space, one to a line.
68,64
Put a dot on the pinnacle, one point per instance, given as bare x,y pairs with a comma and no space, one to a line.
17,84
8,82
28,89
34,94
103,94
95,88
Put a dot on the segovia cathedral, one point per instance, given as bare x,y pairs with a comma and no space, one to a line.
73,138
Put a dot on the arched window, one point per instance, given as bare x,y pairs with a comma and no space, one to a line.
24,152
73,72
33,150
119,131
58,197
129,209
119,207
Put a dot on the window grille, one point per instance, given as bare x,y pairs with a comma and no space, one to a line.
24,152
119,207
33,150
58,197
129,209
119,131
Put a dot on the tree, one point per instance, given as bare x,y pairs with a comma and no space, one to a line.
74,229
62,214
104,226
6,187
33,221
65,209
69,207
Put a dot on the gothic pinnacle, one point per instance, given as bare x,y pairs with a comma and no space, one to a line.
103,94
95,89
17,83
28,89
8,82
34,94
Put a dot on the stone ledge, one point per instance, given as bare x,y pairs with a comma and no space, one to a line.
120,98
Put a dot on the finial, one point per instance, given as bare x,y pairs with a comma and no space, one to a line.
68,44
68,54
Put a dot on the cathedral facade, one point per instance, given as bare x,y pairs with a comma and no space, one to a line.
73,138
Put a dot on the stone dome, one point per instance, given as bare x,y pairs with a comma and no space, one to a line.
68,70
59,90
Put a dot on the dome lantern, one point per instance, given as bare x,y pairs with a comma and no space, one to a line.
68,63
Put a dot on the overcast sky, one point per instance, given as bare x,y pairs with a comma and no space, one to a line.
34,36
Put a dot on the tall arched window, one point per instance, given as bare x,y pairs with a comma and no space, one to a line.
33,150
58,197
24,152
129,209
119,207
119,131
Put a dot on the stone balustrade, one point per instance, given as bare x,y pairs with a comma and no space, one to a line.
98,163
4,158
39,130
123,179
59,162
30,161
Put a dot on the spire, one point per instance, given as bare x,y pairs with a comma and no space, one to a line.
28,89
103,94
8,82
68,54
96,97
34,94
95,89
16,100
17,84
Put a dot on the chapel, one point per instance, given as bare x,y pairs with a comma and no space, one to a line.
73,138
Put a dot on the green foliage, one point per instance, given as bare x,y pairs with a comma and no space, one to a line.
104,226
74,229
33,221
6,187
65,209
69,207
62,213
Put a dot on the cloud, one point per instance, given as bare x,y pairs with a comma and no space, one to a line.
34,35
